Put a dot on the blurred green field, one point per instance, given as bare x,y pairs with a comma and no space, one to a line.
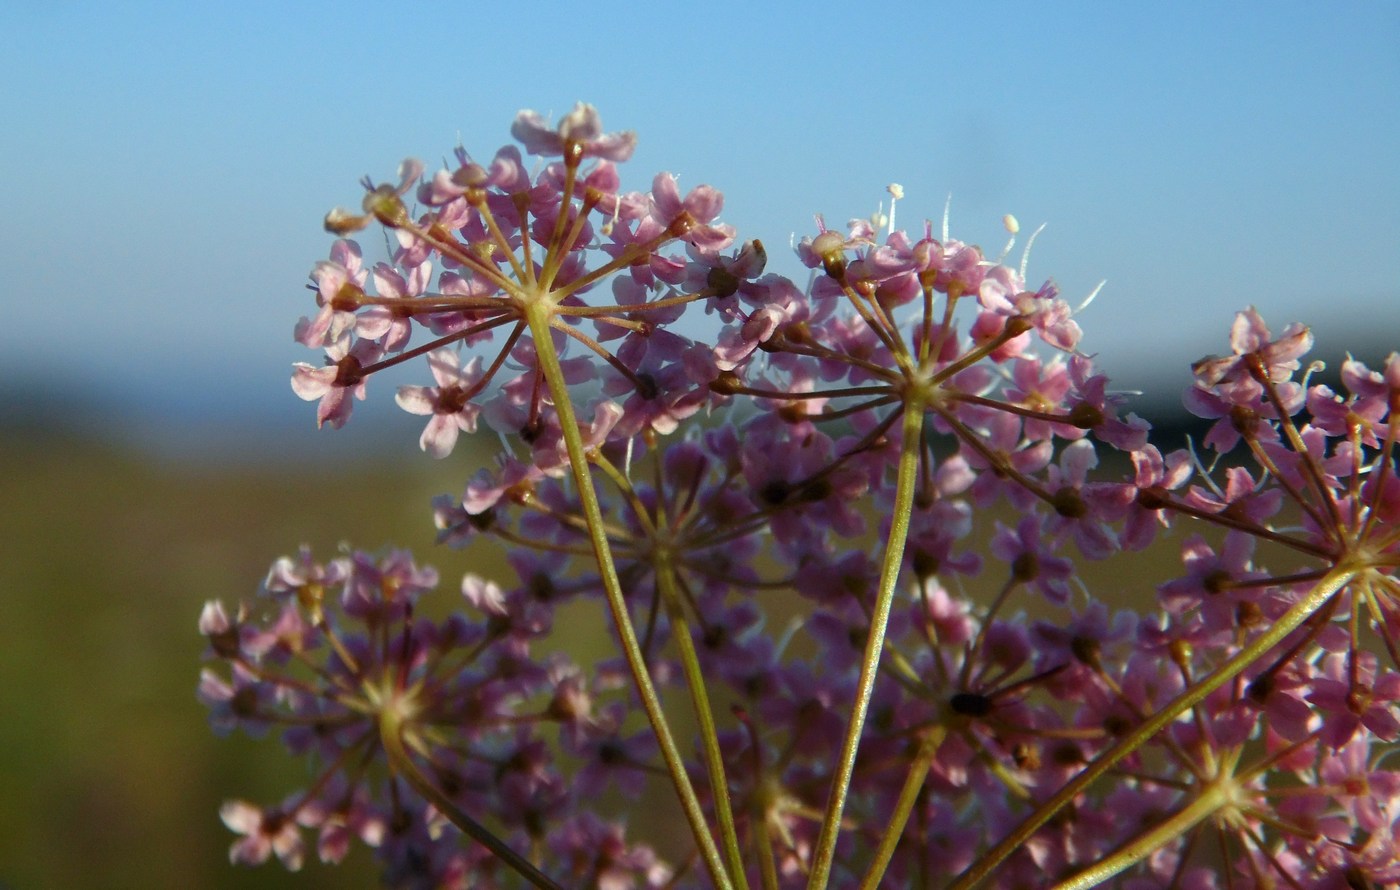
109,776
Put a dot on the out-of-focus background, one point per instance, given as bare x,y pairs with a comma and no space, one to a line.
168,165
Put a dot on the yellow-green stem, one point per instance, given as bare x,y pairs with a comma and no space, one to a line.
906,480
1212,800
709,737
763,851
391,736
1334,581
908,796
538,315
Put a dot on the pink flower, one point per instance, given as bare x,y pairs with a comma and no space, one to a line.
1216,583
1142,500
1050,316
340,292
264,832
1250,339
335,383
1032,559
1074,514
448,404
1365,411
1093,407
1351,704
690,218
581,127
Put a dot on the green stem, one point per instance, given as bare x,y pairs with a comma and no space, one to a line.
906,481
908,796
390,734
1213,799
538,313
763,851
709,737
1290,621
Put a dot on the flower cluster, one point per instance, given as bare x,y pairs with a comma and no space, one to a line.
353,679
851,532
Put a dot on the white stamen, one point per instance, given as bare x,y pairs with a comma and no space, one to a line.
896,192
608,226
1011,225
1026,254
878,220
1089,299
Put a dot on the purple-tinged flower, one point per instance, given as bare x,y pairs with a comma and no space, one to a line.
1048,315
611,759
1092,407
1350,702
1243,391
354,818
1362,415
1141,503
384,589
988,327
952,267
1082,645
244,702
601,857
394,328
1278,694
659,394
304,580
947,616
1031,558
1369,794
728,279
935,531
335,383
1076,515
232,638
581,129
1243,500
518,407
448,404
265,832
690,218
340,293
1044,387
381,202
1216,583
1255,351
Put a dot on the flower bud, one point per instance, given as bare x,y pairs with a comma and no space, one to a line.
342,222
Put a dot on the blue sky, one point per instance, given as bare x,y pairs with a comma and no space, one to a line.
168,166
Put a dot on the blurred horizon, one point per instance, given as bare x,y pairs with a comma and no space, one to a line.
255,425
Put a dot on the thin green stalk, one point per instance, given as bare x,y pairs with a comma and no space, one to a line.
1212,800
709,736
906,481
908,796
763,852
1290,621
538,314
390,734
